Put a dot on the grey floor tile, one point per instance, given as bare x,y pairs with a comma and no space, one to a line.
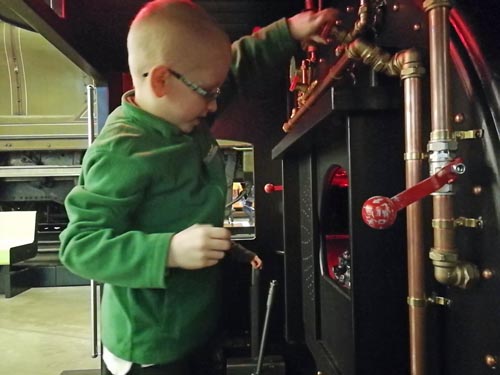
45,331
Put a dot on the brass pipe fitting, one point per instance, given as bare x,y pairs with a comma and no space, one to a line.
375,57
405,63
360,25
431,4
448,270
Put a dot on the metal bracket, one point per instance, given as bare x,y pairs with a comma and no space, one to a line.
431,4
416,302
415,155
437,300
468,134
443,223
469,222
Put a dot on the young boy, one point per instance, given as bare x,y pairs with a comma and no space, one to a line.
146,216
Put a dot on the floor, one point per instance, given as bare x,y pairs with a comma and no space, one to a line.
45,331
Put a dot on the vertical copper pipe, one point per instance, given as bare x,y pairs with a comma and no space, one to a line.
441,114
444,238
440,110
411,76
439,68
442,149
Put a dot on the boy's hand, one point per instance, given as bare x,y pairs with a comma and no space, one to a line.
309,25
256,263
198,246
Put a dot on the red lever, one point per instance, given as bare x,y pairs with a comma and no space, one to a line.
380,212
270,188
293,83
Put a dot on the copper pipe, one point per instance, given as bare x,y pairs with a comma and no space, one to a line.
439,68
411,75
442,148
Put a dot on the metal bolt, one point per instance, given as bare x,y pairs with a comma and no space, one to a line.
487,274
477,190
459,168
417,27
459,118
491,361
395,7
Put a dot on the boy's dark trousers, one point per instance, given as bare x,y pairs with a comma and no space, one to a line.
174,369
209,360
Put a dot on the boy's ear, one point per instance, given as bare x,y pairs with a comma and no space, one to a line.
158,76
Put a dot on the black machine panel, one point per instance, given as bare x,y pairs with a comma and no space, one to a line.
364,329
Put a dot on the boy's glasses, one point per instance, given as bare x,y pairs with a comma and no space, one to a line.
207,95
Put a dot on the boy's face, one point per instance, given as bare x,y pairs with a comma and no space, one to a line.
188,57
193,94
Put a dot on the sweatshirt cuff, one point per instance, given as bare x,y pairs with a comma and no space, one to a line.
158,270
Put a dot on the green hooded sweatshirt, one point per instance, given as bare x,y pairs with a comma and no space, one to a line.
142,181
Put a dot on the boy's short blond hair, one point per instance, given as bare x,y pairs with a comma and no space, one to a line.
170,32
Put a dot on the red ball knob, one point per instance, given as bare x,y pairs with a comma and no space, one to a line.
269,188
379,212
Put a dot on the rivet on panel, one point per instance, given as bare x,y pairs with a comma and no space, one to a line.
491,361
417,27
459,118
477,190
487,274
395,7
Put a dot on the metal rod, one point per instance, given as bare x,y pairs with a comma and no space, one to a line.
93,285
254,316
269,304
90,113
94,295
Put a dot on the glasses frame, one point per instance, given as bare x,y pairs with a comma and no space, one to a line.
207,95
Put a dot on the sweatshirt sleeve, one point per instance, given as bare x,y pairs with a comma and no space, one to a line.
97,243
262,56
239,253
